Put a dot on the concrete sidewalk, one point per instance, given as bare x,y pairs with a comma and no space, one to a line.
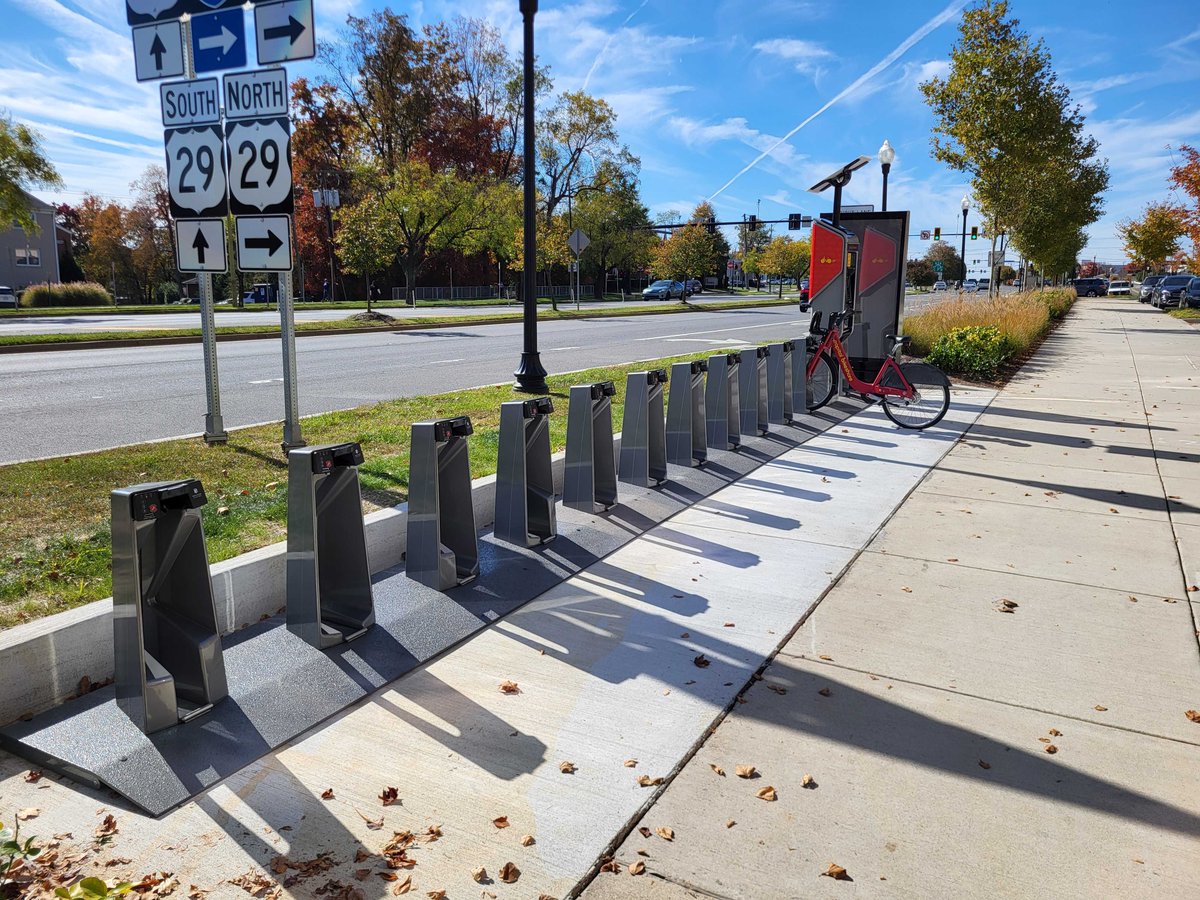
958,750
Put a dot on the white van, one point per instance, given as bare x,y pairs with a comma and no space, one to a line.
8,300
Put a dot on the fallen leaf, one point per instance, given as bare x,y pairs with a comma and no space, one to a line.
685,635
952,559
567,768
643,852
403,887
637,868
730,823
667,834
1099,708
509,687
389,796
432,833
436,895
361,855
500,821
906,590
479,875
984,765
1054,732
107,828
327,794
33,776
195,892
729,625
647,781
630,763
767,793
808,782
701,661
29,812
837,873
1050,748
745,772
717,769
509,873
1193,715
1132,599
118,861
487,895
527,840
373,824
1192,588
825,692
826,658
1044,740
608,864
777,688
279,865
362,874
644,831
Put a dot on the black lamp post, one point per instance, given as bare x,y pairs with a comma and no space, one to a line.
530,374
966,204
886,157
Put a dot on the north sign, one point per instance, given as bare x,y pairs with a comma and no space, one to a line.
264,243
260,166
195,102
200,245
284,31
219,40
158,50
257,94
196,172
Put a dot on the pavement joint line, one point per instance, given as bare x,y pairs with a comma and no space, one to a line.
957,693
1074,512
1183,575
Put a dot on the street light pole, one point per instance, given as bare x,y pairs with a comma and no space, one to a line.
886,157
530,374
966,204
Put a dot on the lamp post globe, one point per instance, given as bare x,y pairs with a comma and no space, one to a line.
966,204
886,157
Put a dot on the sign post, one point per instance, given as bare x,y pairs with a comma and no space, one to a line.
578,242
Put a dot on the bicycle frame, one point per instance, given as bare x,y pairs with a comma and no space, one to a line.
832,342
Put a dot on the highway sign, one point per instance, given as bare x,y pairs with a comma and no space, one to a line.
195,102
196,172
158,50
284,31
200,245
264,243
219,40
578,241
260,166
257,94
139,12
925,235
938,265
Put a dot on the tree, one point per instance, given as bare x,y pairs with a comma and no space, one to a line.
150,234
107,259
920,273
1186,177
1006,273
23,167
952,264
786,258
687,253
1152,239
614,219
702,214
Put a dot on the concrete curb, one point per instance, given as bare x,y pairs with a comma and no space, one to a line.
43,662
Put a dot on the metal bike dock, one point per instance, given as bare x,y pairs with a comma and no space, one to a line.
644,430
590,479
329,596
686,441
752,387
167,656
781,399
721,418
443,549
524,480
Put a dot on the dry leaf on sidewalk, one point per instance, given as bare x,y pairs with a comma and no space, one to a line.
373,824
567,768
717,769
479,875
527,840
837,873
33,776
509,873
808,782
630,764
1050,748
777,688
647,781
637,868
1099,708
730,823
664,832
29,812
826,658
984,765
745,772
644,831
403,887
1054,732
500,821
825,692
509,687
389,796
701,661
1193,715
327,794
107,828
767,793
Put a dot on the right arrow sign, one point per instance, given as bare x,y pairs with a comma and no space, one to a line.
284,31
264,243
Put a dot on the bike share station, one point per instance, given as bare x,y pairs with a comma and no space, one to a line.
194,701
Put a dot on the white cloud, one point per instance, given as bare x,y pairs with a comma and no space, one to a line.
807,57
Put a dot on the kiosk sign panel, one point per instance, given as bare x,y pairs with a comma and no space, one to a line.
879,288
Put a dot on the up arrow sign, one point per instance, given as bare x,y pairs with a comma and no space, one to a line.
200,244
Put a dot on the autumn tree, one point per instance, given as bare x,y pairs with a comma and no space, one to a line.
1154,237
149,234
107,257
920,273
1186,177
687,253
578,150
23,167
953,268
786,258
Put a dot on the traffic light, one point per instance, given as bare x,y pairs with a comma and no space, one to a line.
974,232
710,225
794,221
937,234
752,223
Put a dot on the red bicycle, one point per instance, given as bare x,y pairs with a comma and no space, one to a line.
914,394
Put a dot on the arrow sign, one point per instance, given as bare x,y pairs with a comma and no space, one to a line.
158,51
284,31
218,40
200,245
264,243
224,40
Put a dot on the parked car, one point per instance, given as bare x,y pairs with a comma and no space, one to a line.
260,293
664,290
1191,299
1171,289
985,284
694,286
1118,288
1090,287
1146,294
8,300
939,286
970,286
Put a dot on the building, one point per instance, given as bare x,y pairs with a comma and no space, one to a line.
28,258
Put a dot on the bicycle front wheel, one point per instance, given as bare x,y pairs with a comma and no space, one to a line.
929,402
821,383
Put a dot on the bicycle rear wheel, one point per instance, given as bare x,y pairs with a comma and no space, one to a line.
821,383
927,405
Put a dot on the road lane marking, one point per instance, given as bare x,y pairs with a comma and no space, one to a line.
268,381
438,362
710,331
561,349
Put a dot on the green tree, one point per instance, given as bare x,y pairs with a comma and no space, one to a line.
23,167
920,273
687,253
952,264
1152,239
615,221
786,258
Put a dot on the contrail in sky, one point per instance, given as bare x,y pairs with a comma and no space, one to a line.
937,21
608,43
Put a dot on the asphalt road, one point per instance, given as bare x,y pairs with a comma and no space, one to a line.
64,402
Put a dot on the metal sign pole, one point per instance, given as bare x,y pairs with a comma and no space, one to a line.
214,425
287,332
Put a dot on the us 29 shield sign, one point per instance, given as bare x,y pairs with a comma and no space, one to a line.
196,172
260,166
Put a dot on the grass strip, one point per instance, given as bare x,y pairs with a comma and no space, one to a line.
406,322
55,542
1184,313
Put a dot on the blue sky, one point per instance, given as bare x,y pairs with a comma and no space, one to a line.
704,89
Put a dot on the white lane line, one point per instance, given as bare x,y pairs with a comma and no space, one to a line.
560,349
710,331
439,362
726,342
268,381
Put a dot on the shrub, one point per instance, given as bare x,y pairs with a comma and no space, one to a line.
977,351
1058,300
74,293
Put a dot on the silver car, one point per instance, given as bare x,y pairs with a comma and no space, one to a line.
8,300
